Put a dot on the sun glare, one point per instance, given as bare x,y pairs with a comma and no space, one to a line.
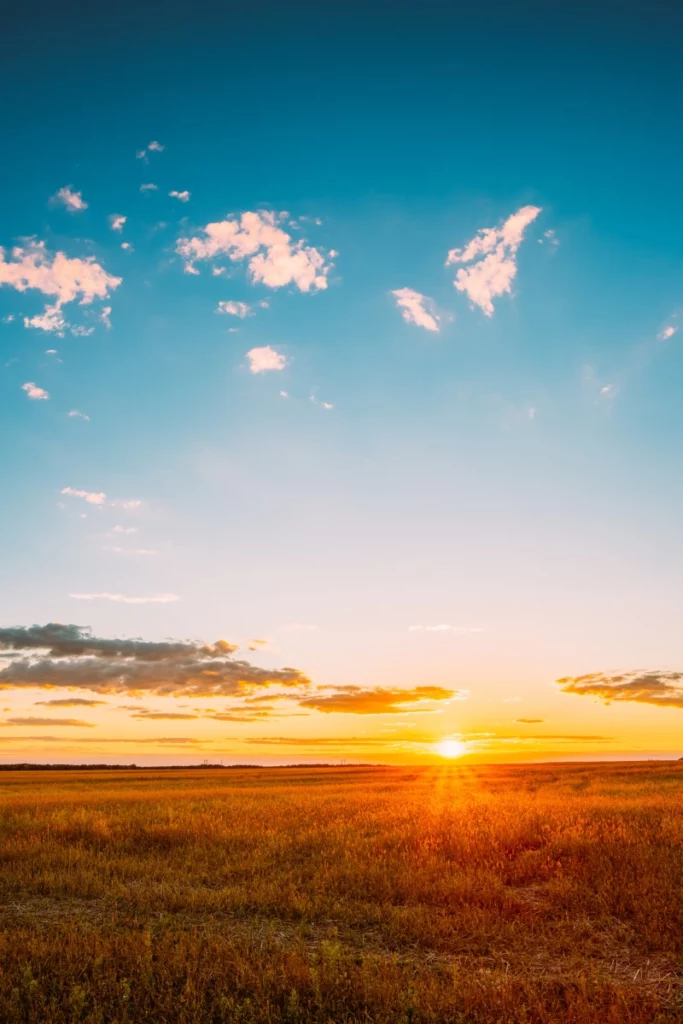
450,748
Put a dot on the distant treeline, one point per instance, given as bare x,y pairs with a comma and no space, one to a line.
26,767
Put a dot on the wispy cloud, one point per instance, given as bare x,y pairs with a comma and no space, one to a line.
149,188
125,599
599,391
92,497
491,256
100,498
29,720
158,716
76,414
182,196
69,199
172,741
416,308
550,237
265,358
69,702
116,221
444,628
645,686
667,332
58,655
323,405
231,308
145,552
152,147
273,257
34,392
124,529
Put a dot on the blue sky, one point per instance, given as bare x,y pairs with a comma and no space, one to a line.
513,475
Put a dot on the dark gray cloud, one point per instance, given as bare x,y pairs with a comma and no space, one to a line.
69,656
663,689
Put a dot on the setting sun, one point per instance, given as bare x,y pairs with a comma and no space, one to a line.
450,748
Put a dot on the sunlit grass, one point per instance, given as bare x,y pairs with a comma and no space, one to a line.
464,894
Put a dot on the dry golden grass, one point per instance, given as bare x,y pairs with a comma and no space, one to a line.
513,895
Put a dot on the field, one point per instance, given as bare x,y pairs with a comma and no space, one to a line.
513,895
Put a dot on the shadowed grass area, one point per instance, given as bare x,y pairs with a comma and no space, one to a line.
467,894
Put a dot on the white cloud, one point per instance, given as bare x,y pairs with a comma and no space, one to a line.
33,267
104,316
129,504
81,332
51,319
127,247
274,258
549,237
149,188
153,147
124,529
92,497
78,415
240,309
491,255
116,221
70,200
182,196
284,394
99,497
216,271
8,319
265,358
667,332
34,392
598,391
50,351
123,599
323,405
415,308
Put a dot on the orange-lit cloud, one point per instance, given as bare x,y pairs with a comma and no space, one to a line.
378,701
29,720
69,702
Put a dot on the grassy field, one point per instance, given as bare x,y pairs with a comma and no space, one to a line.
458,894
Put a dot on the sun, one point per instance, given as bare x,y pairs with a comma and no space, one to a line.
450,748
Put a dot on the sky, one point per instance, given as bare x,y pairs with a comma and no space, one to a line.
340,376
